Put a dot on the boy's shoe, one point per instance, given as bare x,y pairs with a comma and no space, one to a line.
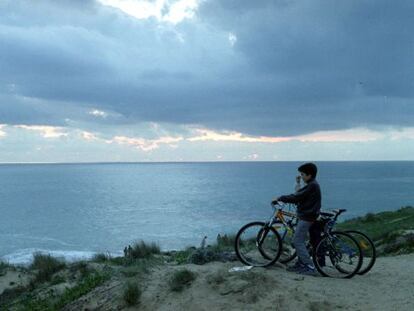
296,267
308,270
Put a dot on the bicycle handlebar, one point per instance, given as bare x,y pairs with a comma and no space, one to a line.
335,215
283,205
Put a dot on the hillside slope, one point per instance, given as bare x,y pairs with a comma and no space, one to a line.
389,286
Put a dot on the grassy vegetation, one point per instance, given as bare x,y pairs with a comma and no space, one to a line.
57,279
54,303
85,286
386,229
46,266
225,242
108,259
4,266
101,257
381,224
39,293
180,279
82,267
138,267
10,294
132,293
216,278
140,253
143,250
181,256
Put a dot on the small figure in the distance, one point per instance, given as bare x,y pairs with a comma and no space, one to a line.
203,242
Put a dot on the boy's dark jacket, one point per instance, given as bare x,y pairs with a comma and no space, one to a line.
308,200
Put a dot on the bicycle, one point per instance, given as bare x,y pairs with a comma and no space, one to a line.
340,247
342,250
286,229
258,244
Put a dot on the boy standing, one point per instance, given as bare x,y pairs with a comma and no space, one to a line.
308,201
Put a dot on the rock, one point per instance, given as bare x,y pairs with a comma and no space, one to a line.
201,256
227,256
398,245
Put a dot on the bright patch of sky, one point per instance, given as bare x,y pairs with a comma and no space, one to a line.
232,39
162,10
75,145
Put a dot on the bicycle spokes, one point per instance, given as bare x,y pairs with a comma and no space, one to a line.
257,244
338,255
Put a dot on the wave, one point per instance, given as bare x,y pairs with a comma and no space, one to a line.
24,257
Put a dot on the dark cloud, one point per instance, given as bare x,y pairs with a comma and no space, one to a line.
296,67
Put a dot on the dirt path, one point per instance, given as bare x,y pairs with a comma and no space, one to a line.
389,286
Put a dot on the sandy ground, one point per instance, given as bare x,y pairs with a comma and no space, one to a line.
389,286
13,279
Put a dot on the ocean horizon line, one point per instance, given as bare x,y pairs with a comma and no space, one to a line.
190,162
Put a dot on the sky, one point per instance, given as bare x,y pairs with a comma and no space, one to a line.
206,80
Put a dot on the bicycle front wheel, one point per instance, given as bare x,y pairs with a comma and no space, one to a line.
255,239
339,255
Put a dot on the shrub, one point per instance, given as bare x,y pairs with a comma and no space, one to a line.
101,257
225,241
57,279
143,250
180,279
216,278
46,266
82,267
389,237
119,261
370,217
401,245
10,294
132,294
405,208
202,256
180,256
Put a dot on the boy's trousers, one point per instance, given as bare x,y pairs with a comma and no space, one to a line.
299,241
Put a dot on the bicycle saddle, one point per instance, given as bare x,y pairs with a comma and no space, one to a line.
327,214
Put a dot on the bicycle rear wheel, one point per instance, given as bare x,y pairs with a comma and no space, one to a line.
255,239
339,255
368,250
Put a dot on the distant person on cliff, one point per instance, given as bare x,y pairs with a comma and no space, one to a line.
308,201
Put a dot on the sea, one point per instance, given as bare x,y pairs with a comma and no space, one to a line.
77,210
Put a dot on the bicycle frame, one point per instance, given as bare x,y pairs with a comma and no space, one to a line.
279,214
286,219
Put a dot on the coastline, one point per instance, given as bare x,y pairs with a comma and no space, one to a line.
174,280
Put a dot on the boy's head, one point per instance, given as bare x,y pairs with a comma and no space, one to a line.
308,171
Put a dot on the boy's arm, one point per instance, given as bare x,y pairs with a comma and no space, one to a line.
297,196
297,185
